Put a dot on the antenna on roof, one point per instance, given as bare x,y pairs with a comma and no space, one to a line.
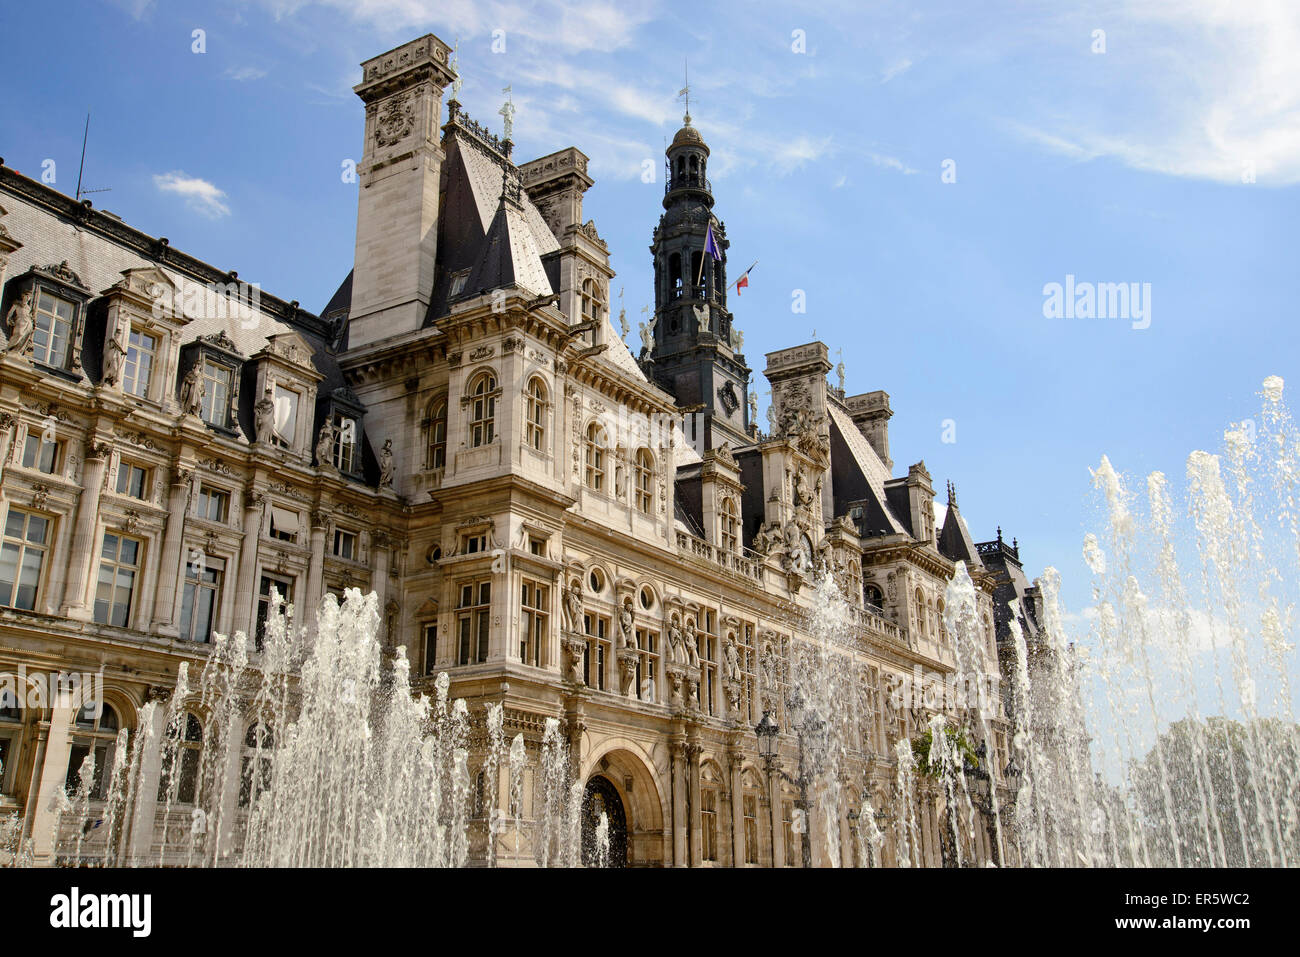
80,169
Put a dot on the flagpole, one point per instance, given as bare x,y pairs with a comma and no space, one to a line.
743,274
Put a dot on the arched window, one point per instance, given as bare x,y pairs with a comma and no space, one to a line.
93,736
255,766
596,444
943,629
675,271
875,598
645,466
437,456
535,425
920,613
179,782
729,526
483,410
593,308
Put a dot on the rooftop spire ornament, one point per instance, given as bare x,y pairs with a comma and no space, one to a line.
685,91
455,68
507,112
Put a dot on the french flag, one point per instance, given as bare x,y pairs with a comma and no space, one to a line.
743,281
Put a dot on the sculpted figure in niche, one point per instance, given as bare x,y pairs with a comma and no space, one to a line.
732,655
325,444
264,417
386,465
114,356
626,627
573,608
692,644
22,323
192,392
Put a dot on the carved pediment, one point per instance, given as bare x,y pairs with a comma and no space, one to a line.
292,348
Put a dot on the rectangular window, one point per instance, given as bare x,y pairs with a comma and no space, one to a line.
286,416
532,635
709,824
647,665
200,600
707,643
430,648
42,456
53,333
345,442
283,587
596,660
216,393
119,563
137,371
345,544
132,480
750,804
473,622
473,544
536,546
22,558
214,504
284,524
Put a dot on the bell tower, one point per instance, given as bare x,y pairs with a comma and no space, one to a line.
696,351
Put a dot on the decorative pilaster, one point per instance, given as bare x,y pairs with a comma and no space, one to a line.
246,585
316,565
380,545
171,568
75,604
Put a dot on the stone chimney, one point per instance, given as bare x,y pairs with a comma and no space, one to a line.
870,413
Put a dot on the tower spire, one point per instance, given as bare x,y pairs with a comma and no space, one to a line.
685,91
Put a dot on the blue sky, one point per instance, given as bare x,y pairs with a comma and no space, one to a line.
1116,166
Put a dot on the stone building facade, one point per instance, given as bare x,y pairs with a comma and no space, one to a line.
561,527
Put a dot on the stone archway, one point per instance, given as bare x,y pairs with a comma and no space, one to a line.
601,797
632,777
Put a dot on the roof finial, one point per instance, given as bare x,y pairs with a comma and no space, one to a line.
686,90
507,112
999,534
952,495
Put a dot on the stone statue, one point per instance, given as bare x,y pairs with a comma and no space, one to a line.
839,371
114,357
192,392
692,643
732,656
22,323
573,608
325,444
771,420
753,406
264,417
702,317
626,627
676,643
623,327
386,465
740,340
803,493
647,337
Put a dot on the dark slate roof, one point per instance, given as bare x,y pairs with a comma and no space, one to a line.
955,542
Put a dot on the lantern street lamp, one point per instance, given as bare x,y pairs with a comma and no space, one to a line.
810,732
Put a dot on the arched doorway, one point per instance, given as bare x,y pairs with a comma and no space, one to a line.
600,797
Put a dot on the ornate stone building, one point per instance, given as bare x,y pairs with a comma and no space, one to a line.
562,527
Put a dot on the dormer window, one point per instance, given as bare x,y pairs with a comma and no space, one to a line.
345,442
137,370
286,416
457,283
593,305
52,337
217,380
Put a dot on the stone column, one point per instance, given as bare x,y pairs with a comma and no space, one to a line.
737,808
171,566
246,582
315,568
693,785
679,802
80,561
152,727
54,775
778,814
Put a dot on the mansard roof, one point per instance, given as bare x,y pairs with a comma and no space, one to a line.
864,465
508,256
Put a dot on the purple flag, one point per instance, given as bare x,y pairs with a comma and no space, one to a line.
711,245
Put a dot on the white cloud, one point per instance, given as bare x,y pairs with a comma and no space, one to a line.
794,154
199,195
245,73
897,68
1211,87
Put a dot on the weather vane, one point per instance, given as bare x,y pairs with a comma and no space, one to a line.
685,91
507,112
